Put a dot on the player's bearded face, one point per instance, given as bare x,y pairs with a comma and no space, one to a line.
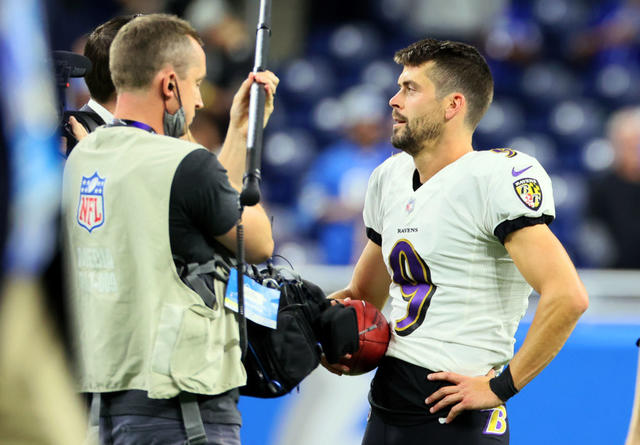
411,136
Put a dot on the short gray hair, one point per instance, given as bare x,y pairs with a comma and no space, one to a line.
148,43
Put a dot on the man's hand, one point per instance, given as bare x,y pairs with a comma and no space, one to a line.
335,368
239,115
77,129
466,393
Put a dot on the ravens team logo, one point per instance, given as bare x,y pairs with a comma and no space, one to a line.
529,192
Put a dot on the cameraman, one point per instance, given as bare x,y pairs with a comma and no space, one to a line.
101,88
102,103
135,199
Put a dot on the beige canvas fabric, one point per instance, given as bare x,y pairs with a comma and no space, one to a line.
138,326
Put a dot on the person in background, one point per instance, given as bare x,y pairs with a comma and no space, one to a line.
333,193
612,28
98,80
612,197
102,101
39,404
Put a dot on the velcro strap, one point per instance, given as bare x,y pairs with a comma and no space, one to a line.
94,411
93,428
216,267
198,285
194,280
192,419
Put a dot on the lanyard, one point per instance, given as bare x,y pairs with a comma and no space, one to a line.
132,123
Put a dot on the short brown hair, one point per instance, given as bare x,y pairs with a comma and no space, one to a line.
148,43
458,67
96,50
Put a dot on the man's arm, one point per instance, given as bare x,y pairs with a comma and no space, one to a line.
257,234
258,239
233,154
370,280
547,268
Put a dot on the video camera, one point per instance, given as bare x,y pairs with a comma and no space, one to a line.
67,65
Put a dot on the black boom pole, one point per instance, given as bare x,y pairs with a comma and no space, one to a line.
251,185
250,194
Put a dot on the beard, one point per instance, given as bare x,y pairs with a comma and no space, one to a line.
411,138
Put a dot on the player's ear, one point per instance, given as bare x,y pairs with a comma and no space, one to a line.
454,104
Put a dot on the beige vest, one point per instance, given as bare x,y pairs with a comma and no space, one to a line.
138,325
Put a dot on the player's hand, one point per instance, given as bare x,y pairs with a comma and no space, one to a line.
466,393
239,115
335,301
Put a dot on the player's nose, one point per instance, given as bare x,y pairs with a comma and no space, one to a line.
394,101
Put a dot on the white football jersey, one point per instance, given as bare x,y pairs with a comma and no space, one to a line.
456,296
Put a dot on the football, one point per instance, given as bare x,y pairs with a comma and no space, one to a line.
374,333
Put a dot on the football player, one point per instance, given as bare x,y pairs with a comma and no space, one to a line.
457,239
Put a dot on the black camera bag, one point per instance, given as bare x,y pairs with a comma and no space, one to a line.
277,360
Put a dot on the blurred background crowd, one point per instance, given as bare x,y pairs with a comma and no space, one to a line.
567,75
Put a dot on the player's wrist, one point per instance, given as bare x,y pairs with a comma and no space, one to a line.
503,386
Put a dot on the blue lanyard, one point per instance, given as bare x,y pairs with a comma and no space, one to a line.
131,123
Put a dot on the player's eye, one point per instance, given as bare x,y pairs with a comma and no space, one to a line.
407,87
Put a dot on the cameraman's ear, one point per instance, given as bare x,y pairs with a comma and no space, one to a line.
168,87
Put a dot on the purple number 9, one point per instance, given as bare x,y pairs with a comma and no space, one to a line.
412,274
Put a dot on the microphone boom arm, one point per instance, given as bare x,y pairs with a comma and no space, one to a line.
250,194
251,183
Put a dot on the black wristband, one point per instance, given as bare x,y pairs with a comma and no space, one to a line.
502,386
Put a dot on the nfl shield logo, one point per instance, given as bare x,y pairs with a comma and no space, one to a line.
410,205
91,204
529,192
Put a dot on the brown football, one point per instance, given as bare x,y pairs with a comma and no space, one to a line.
374,333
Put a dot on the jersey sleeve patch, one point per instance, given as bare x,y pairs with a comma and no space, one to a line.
529,191
516,189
